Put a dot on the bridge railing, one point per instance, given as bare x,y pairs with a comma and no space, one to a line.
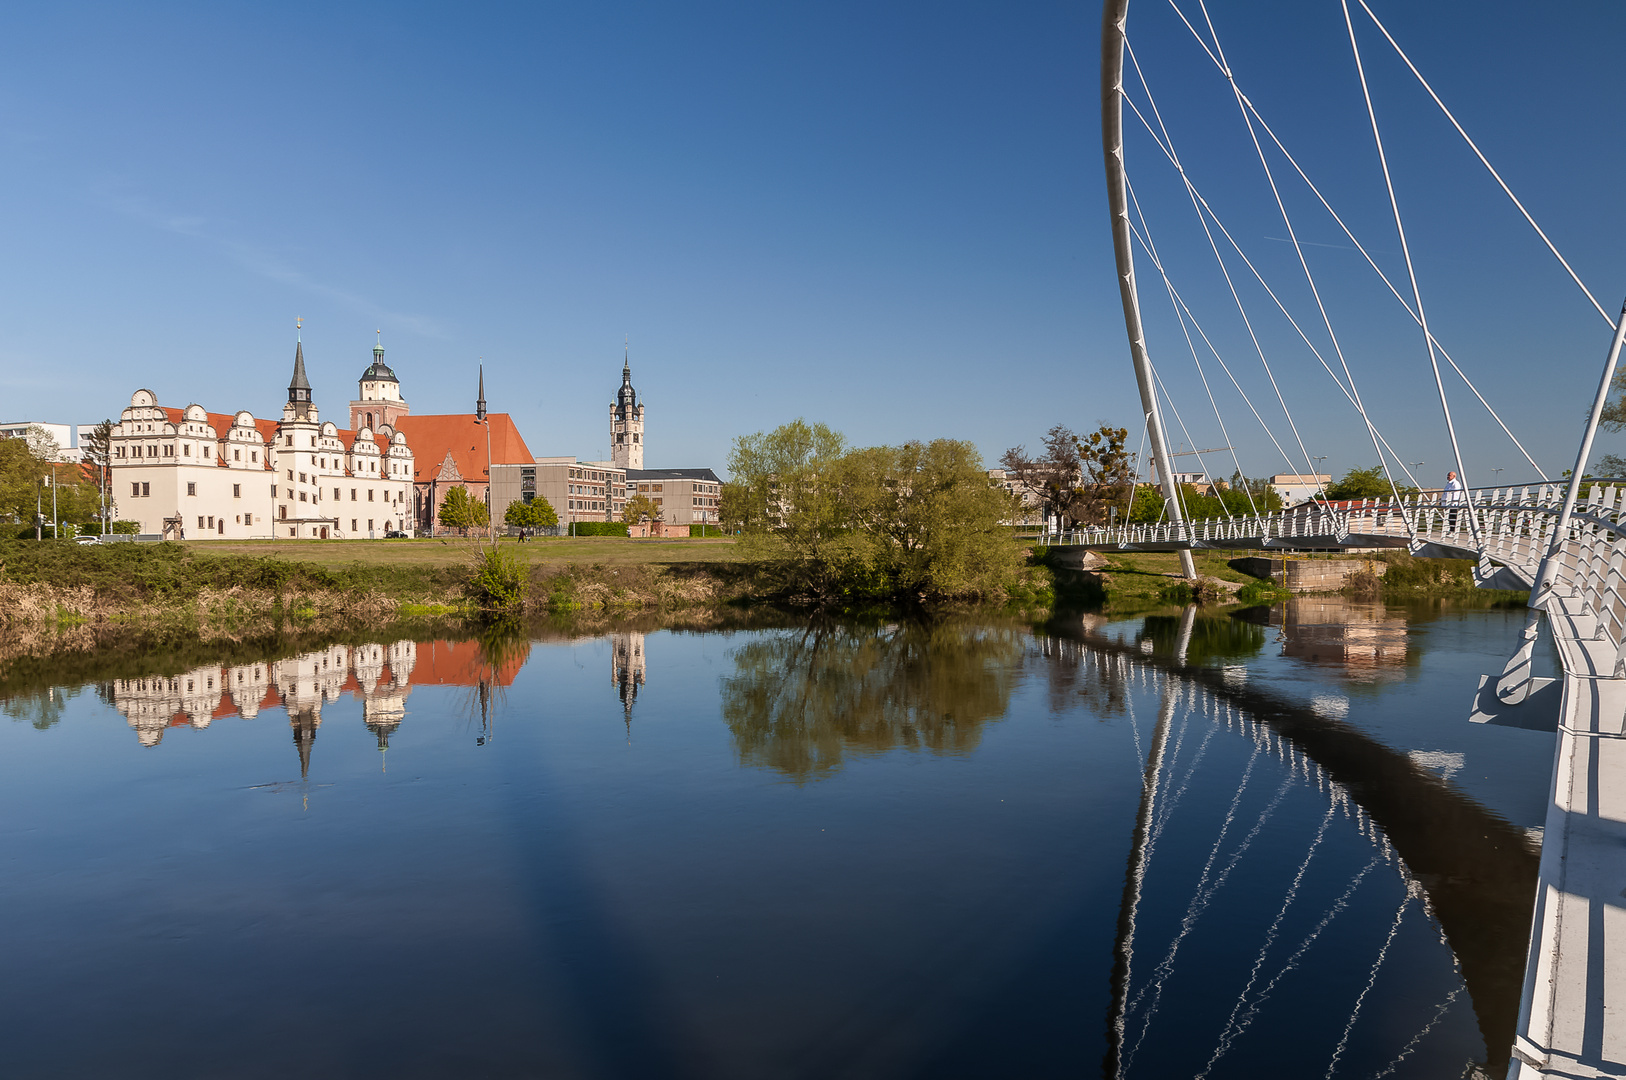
1506,525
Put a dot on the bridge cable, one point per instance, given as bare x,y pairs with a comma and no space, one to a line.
1160,972
1332,913
1206,340
1158,379
1224,270
1226,368
1291,160
1298,249
1198,196
1417,1038
1228,1035
1486,162
1383,954
1411,272
1205,893
1202,375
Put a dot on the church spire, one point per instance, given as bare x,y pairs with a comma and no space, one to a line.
480,404
299,389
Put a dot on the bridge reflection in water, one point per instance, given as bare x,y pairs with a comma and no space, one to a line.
1209,981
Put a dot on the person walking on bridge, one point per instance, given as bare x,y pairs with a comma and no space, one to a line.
1453,498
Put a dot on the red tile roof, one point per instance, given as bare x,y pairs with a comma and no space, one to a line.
460,434
460,663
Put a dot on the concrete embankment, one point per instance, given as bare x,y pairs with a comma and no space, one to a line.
1308,575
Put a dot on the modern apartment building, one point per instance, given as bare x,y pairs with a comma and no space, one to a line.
685,496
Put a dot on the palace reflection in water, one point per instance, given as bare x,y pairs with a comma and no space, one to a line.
380,675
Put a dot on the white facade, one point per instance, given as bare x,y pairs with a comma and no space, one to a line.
192,474
1295,488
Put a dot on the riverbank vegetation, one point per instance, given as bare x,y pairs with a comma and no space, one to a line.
822,522
58,582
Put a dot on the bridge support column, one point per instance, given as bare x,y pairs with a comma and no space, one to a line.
1112,141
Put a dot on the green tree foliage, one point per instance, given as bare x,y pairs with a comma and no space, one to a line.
1365,484
780,475
20,476
640,508
536,514
497,579
800,701
732,506
919,520
462,511
25,466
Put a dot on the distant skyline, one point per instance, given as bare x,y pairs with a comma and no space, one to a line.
887,218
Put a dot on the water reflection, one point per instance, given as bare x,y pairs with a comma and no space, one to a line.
1465,870
43,708
1364,640
1203,636
380,675
1280,891
800,700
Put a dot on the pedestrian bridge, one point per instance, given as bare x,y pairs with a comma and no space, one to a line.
1572,1018
1506,531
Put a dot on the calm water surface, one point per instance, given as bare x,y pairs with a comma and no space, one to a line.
966,848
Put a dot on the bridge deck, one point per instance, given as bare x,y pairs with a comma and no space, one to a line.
1572,1021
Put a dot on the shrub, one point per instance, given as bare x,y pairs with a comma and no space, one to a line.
705,530
497,579
599,528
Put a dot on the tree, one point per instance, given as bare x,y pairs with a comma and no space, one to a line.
1053,478
536,514
732,505
20,475
1079,477
1370,483
914,521
1109,474
43,444
463,512
97,453
779,473
640,508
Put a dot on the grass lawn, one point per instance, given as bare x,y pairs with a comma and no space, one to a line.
451,551
1165,563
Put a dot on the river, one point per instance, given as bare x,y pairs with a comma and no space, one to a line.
1183,844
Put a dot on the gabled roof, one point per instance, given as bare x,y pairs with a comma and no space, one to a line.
464,438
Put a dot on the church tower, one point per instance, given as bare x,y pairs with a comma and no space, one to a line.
627,423
380,402
300,408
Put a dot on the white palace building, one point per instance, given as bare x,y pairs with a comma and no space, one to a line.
193,474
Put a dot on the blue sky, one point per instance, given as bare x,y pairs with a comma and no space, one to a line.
887,217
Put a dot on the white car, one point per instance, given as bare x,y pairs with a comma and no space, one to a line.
87,539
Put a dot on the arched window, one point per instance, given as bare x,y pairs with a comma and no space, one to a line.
369,420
